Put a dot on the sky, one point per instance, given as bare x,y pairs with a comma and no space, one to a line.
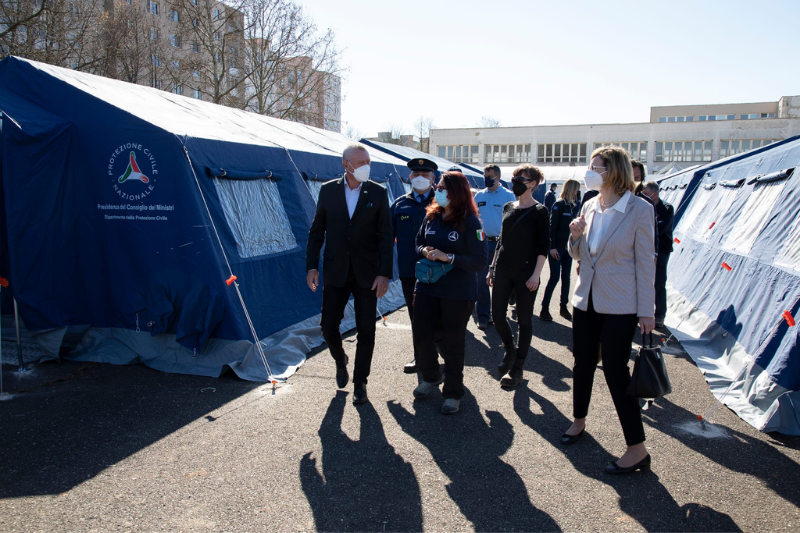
530,63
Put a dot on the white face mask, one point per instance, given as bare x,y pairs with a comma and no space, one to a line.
420,183
361,173
593,180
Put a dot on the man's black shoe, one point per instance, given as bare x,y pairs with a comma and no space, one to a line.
565,312
359,393
410,367
545,315
342,376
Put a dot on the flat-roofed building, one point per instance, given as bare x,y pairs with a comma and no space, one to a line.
675,136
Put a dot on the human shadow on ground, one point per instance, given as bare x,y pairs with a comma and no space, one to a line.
489,492
739,453
364,484
69,421
641,495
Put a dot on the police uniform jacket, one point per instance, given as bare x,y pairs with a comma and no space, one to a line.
407,216
467,244
665,214
365,241
560,217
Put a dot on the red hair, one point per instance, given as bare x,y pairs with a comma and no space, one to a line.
461,201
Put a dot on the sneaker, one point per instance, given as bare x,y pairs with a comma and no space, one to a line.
545,315
450,406
410,367
565,312
424,388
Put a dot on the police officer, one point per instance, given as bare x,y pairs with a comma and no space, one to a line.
490,202
665,215
550,197
408,212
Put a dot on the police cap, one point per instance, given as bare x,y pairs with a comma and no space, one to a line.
422,165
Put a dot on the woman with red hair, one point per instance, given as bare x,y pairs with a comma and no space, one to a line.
451,234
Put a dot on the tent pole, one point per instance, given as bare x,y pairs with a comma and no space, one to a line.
19,343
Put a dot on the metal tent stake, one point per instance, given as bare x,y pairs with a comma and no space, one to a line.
19,342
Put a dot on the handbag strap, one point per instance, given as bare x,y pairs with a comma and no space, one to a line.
514,225
651,340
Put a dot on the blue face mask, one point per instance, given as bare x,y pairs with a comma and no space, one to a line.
489,182
441,198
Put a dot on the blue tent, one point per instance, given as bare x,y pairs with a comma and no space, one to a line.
141,226
734,280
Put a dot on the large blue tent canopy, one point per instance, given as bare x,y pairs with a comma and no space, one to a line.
126,212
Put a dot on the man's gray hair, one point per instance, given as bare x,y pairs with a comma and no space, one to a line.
652,186
352,148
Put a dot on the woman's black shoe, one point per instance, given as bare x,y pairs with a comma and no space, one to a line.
545,315
566,440
565,312
614,468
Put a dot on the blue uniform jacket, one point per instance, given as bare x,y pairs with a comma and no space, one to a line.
467,244
407,216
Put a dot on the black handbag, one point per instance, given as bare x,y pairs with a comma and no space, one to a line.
649,379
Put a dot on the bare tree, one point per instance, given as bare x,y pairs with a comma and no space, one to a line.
396,135
216,31
353,133
58,32
422,127
290,67
489,122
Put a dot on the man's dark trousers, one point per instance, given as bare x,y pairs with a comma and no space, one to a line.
662,260
483,306
334,302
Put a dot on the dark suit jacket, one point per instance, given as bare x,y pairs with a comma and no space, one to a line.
365,240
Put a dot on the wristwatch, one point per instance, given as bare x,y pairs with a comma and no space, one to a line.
450,258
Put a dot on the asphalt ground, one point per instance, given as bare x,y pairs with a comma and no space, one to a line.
95,447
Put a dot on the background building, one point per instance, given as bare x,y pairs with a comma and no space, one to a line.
675,137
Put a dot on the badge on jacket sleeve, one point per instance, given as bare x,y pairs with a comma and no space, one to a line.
481,235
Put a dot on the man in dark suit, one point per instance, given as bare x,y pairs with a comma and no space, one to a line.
665,214
352,219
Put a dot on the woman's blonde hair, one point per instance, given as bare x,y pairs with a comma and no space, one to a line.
570,191
619,173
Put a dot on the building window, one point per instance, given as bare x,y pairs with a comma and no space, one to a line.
154,60
173,15
175,64
197,93
636,150
460,154
507,153
216,36
153,34
571,153
196,73
152,7
177,89
175,40
216,14
155,83
685,118
740,146
195,47
683,151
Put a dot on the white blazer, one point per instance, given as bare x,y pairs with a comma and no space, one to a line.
621,276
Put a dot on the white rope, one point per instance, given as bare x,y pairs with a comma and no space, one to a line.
256,340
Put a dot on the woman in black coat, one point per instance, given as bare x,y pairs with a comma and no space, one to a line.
516,268
564,211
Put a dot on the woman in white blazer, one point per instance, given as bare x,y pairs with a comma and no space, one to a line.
613,240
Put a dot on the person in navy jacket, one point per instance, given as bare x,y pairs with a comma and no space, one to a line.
408,212
452,234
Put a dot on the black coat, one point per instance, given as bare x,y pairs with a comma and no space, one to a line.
665,214
560,217
365,240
